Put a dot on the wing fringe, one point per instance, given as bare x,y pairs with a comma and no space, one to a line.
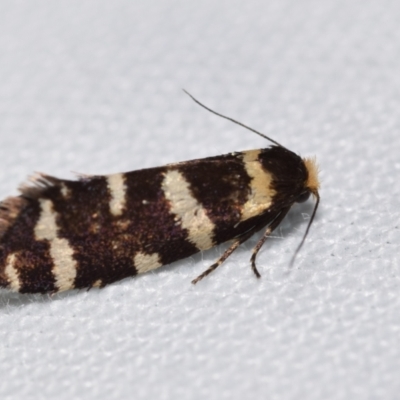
11,207
37,184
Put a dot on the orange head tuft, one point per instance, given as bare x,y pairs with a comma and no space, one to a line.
312,168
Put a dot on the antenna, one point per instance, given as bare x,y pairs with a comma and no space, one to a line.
233,120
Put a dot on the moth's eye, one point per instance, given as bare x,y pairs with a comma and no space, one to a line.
303,197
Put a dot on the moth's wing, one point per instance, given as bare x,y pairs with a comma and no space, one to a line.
62,234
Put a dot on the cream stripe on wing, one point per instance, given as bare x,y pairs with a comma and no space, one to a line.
64,190
188,210
117,187
97,283
146,262
64,268
261,193
12,273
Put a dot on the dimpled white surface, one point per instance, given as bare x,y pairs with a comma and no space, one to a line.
95,87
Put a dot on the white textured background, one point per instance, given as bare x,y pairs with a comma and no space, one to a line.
95,87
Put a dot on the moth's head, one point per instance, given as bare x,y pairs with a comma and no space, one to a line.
312,183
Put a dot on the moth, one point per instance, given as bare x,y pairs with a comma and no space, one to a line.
69,234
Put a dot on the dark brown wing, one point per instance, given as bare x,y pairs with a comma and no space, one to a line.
62,234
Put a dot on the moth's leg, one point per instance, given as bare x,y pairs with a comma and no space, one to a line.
274,224
224,256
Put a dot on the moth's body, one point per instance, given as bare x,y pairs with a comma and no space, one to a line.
61,234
